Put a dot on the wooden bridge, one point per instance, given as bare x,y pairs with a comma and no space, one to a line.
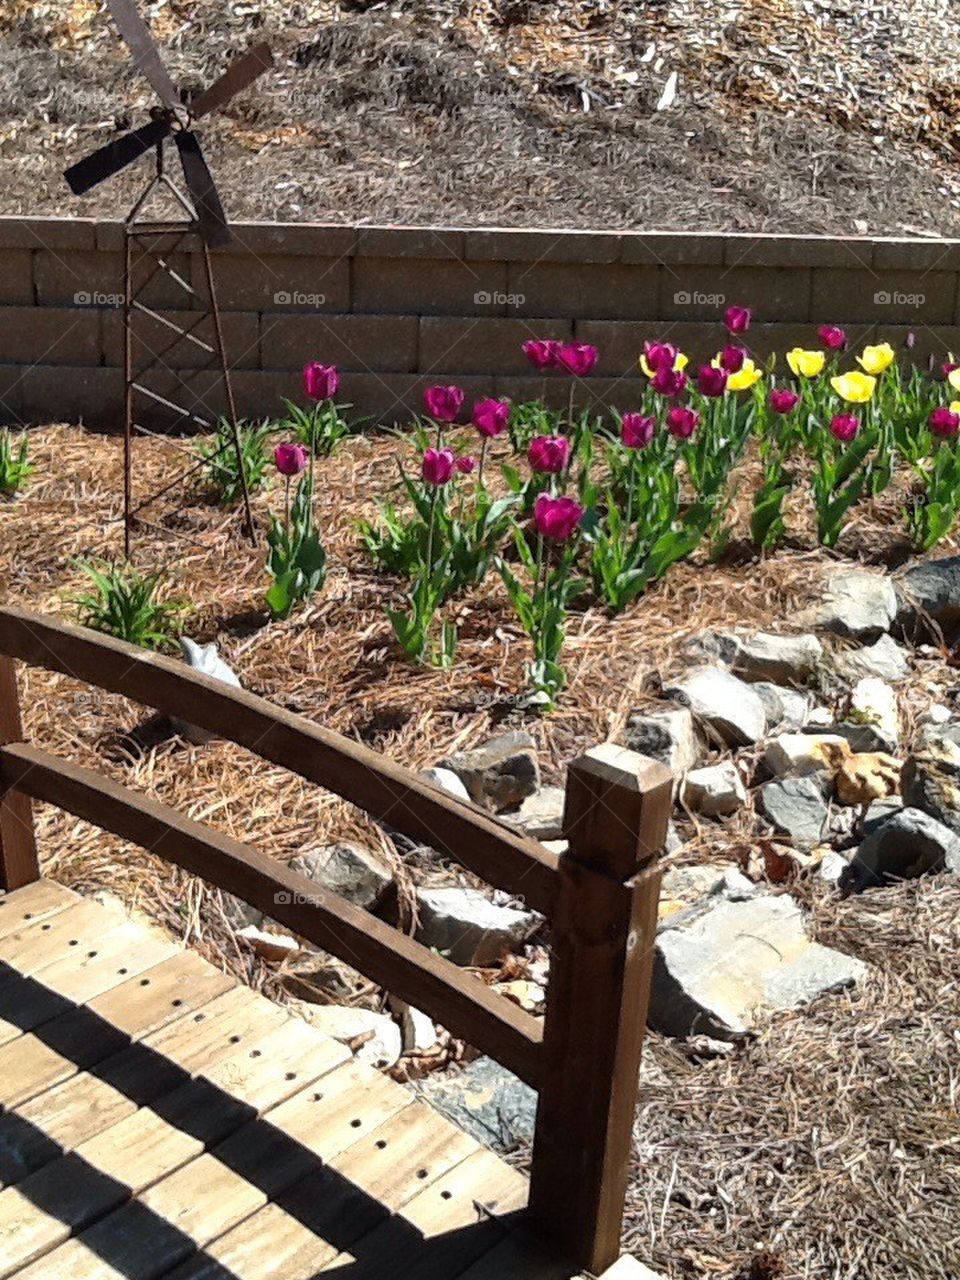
159,1119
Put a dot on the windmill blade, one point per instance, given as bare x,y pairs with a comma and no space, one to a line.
203,192
244,71
116,155
146,55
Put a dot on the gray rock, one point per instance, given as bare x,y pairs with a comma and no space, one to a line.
736,886
674,840
856,603
931,779
714,790
796,807
671,737
832,866
931,590
780,658
784,708
880,811
239,914
446,780
468,928
728,705
486,1101
907,845
761,656
501,773
353,872
206,659
719,968
687,885
541,815
885,659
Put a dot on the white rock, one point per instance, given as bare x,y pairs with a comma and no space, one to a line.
373,1037
873,702
936,713
770,657
467,927
885,659
206,659
417,1031
784,708
856,603
269,946
714,790
832,866
670,736
446,780
728,705
541,815
798,755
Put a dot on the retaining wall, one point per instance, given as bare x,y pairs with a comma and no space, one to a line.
400,308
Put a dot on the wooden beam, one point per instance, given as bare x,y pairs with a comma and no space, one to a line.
617,808
18,846
464,1004
381,787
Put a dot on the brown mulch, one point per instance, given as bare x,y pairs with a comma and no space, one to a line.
788,115
828,1147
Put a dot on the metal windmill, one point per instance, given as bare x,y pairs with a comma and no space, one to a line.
150,247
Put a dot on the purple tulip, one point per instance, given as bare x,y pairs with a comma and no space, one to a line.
948,367
466,464
682,422
578,358
832,337
491,417
732,358
557,518
291,459
712,382
321,381
443,403
660,355
637,430
737,319
844,427
542,352
783,400
944,423
438,465
669,382
549,453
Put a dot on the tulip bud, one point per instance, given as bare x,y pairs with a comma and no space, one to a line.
637,430
557,518
443,403
549,454
437,466
291,459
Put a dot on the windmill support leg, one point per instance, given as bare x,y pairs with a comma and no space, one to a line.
248,526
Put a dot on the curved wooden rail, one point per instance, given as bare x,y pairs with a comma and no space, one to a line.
381,787
459,1000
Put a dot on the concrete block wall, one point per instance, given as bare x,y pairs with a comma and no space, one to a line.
400,308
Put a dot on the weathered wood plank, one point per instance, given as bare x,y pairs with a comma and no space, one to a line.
384,789
34,902
75,930
462,1003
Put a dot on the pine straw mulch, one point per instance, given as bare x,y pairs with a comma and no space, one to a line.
828,1146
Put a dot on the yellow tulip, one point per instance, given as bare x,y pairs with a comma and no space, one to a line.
953,377
681,362
806,364
955,407
745,377
855,387
876,359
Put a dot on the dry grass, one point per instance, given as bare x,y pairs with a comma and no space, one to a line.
831,1141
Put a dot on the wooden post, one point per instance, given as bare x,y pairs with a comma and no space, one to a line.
18,849
615,819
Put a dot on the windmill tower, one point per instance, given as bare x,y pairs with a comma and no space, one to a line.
150,249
